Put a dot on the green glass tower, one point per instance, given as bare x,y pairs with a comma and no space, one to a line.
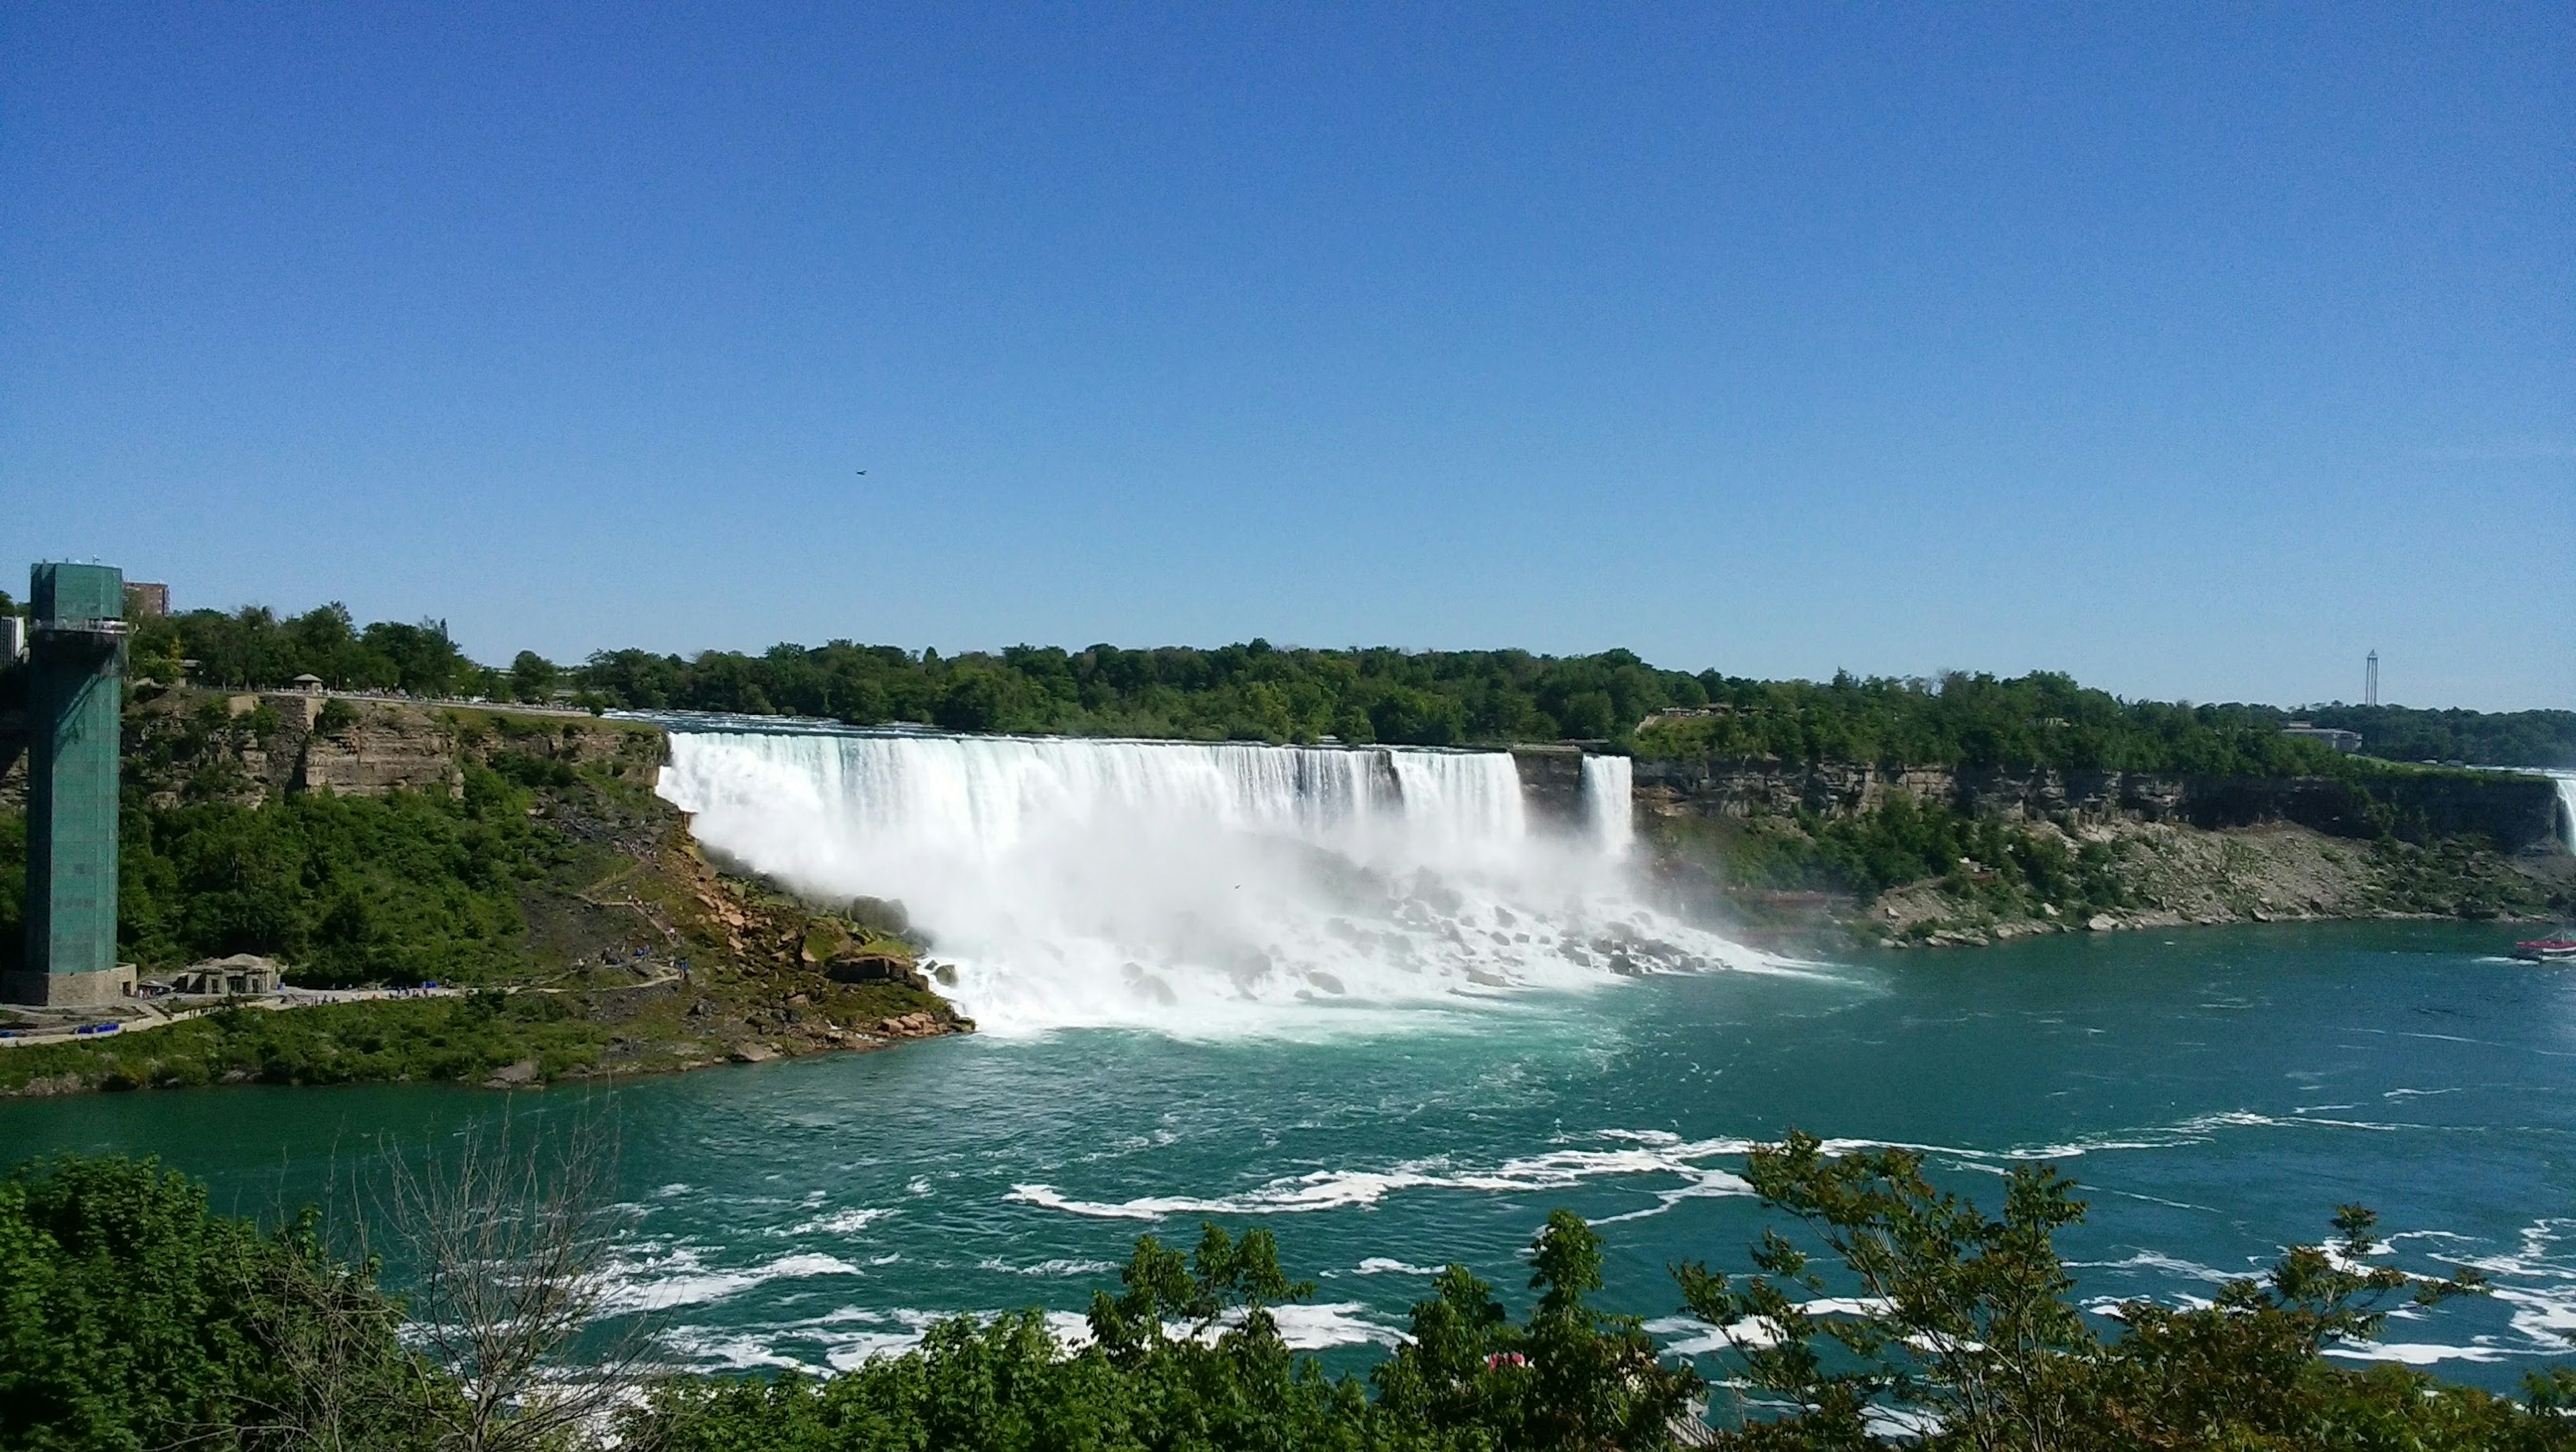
75,704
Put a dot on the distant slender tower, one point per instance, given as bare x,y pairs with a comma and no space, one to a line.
75,703
2370,680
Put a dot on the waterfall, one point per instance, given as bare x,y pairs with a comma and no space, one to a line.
1608,811
1190,887
2566,807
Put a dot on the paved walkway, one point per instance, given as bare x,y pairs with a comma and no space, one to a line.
151,1014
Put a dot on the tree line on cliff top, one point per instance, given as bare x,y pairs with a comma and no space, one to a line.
1880,1312
1256,692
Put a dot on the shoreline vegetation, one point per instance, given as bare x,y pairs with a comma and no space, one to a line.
1882,1311
518,852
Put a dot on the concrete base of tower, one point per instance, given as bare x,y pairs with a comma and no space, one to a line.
102,989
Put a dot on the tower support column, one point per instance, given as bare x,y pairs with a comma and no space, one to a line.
75,710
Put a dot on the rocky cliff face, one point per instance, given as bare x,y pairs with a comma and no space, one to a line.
183,745
384,748
2517,813
1551,783
248,749
2165,850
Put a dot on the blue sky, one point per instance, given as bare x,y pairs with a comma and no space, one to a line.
2194,350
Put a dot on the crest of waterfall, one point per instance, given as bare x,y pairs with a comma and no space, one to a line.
1192,887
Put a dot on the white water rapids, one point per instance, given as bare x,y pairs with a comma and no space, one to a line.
1193,888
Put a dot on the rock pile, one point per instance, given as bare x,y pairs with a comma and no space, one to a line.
911,1026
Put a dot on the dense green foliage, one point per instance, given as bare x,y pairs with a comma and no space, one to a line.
253,647
2478,738
1254,692
1246,692
1962,1324
419,1040
2042,719
1904,841
404,888
131,1319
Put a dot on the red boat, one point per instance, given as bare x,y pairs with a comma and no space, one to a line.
2561,949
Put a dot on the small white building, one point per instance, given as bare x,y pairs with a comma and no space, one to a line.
2341,740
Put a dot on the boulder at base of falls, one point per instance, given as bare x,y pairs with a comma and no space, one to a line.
875,968
911,1026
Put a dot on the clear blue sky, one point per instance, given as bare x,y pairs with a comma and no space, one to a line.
2194,350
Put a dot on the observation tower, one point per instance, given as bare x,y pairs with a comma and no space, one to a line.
74,690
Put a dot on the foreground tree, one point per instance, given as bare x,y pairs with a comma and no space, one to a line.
1571,1377
131,1319
1961,1334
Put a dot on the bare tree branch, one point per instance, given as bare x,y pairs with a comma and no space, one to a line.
509,1234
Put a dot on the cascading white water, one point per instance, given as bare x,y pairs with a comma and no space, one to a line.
1191,887
1608,810
2567,807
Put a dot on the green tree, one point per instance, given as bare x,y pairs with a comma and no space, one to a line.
532,676
132,1319
1954,1331
1571,1378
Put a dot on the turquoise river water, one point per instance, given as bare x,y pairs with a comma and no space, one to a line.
2216,1092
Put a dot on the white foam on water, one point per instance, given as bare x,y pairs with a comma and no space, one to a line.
846,1222
1047,1267
1644,1152
1338,1323
648,1279
845,1339
1341,1189
1198,889
1379,1265
1691,1336
2157,1261
2417,1353
1636,1152
840,1340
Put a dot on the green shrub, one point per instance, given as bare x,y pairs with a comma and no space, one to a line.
132,1319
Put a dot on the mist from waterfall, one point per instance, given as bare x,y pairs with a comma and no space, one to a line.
1195,888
